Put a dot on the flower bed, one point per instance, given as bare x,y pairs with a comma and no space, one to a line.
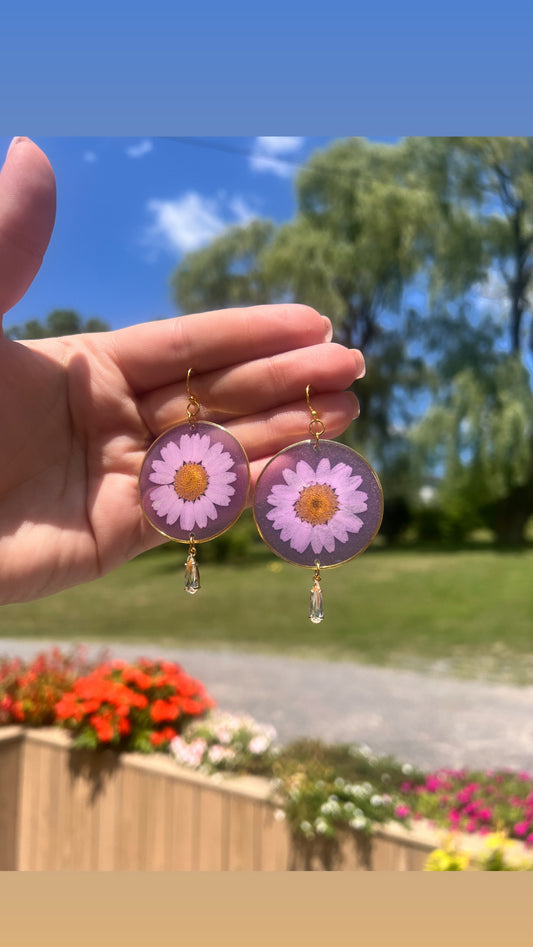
150,759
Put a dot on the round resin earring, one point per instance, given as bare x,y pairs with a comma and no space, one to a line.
317,504
193,484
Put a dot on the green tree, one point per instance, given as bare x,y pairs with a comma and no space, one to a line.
59,322
482,438
484,188
227,272
350,250
482,247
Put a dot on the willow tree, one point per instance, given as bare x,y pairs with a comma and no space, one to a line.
482,250
227,272
484,238
354,243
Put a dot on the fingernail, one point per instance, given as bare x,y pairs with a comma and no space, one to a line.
362,367
16,141
329,329
357,411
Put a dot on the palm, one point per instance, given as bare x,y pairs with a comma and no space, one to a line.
78,413
68,464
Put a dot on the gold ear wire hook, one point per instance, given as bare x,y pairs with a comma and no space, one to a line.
316,426
193,406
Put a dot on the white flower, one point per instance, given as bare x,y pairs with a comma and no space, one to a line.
258,744
219,754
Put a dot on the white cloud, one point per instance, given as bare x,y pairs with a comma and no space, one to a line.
90,157
267,155
144,147
191,221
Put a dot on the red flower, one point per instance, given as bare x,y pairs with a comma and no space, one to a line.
103,728
164,710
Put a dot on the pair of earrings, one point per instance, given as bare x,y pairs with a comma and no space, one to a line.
317,503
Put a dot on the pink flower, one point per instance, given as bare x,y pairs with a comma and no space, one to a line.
521,828
194,478
433,783
401,811
317,507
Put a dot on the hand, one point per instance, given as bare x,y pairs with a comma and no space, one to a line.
78,413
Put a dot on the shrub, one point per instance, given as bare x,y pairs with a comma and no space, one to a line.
224,742
476,802
29,691
139,707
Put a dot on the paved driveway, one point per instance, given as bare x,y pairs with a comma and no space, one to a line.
428,721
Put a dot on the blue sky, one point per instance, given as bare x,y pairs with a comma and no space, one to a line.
129,208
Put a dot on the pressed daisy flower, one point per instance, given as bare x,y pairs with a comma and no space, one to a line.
317,507
194,477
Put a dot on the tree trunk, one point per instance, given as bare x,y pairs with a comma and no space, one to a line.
508,517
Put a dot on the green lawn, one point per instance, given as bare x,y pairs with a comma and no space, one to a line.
467,612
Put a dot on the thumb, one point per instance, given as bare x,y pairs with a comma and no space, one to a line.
27,214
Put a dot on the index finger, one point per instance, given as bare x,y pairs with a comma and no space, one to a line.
155,354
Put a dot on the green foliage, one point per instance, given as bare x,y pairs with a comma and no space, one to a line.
485,189
227,272
235,545
355,240
481,438
58,323
325,789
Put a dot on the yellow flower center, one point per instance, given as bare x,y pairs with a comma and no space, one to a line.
191,481
316,504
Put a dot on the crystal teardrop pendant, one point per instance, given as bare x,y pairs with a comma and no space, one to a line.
316,610
192,574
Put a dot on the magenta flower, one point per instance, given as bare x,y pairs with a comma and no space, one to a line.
194,477
402,811
318,507
521,828
433,783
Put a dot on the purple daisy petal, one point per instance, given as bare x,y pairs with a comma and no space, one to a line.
174,510
204,446
301,537
305,473
210,508
200,512
159,492
220,496
186,448
161,466
187,518
347,521
172,454
323,471
357,503
160,478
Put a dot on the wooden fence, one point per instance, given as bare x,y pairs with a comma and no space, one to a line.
68,810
